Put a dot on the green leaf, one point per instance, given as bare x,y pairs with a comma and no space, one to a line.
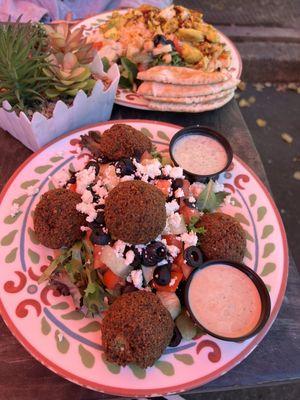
9,238
56,159
34,257
138,372
130,69
147,133
268,269
252,199
27,184
162,135
209,201
60,306
42,169
20,200
125,83
105,63
242,219
261,212
10,258
33,236
268,249
11,220
86,356
113,368
73,315
93,326
184,358
268,229
45,326
62,343
165,367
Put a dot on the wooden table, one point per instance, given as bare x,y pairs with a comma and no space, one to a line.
275,360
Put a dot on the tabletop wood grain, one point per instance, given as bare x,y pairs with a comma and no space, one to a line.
276,359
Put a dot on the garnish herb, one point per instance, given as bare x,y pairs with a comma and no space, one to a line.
128,73
192,228
105,63
209,201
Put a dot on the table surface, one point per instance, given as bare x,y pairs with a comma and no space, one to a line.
275,360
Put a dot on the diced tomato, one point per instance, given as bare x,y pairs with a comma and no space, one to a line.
146,156
176,277
97,45
164,185
186,187
73,187
172,241
111,280
98,264
177,44
188,213
175,267
185,268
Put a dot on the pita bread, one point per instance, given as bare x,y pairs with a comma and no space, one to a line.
191,100
191,108
168,90
182,75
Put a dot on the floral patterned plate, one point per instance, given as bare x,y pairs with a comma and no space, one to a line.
70,344
127,98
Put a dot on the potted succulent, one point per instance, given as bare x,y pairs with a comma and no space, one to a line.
51,81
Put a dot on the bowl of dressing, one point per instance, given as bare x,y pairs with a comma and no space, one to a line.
227,300
201,152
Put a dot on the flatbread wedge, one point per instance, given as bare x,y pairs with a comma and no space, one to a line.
182,75
157,89
191,108
191,100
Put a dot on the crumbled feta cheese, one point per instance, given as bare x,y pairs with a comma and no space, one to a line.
151,168
167,169
61,178
119,247
99,189
189,239
129,257
196,188
89,209
218,187
84,178
14,210
84,228
177,172
174,220
192,199
172,282
87,196
126,178
173,250
171,207
179,193
137,278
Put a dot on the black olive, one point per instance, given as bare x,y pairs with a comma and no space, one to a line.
93,164
193,256
176,338
100,218
72,179
154,253
125,167
180,291
162,274
98,236
177,183
171,43
159,39
137,261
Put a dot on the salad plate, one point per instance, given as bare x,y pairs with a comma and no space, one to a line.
130,98
66,341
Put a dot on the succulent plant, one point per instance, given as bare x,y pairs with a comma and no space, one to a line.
23,58
70,55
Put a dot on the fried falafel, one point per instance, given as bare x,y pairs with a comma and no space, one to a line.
136,329
56,221
224,237
119,141
135,212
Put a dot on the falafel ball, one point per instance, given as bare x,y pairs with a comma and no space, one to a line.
56,221
135,212
119,141
136,329
224,237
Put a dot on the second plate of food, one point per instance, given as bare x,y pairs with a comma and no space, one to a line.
135,233
170,59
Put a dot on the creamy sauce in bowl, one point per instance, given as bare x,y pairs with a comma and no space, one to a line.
225,301
200,154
